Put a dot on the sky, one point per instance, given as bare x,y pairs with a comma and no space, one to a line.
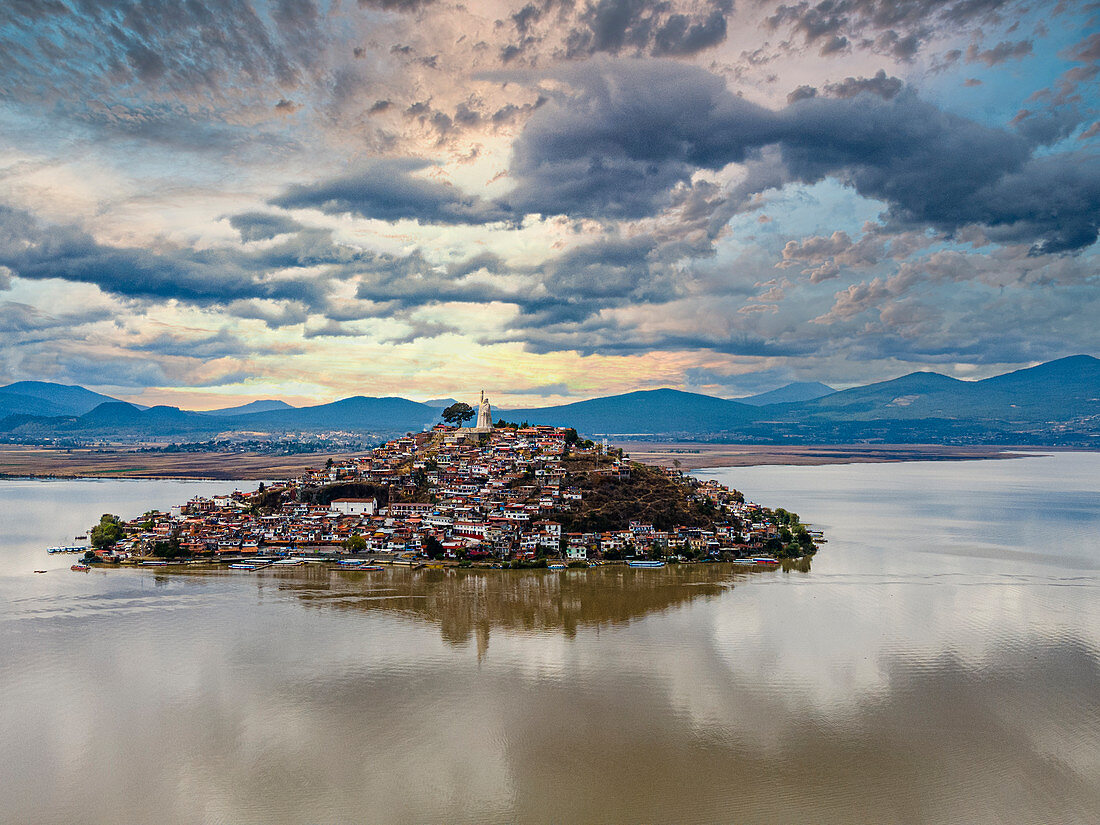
206,203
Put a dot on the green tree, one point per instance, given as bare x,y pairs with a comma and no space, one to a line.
355,543
433,549
108,532
458,413
168,549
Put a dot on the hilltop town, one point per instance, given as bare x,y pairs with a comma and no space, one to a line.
493,494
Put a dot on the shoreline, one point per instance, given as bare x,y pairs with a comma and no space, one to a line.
34,463
694,456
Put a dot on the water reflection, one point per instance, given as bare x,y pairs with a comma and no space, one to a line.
468,602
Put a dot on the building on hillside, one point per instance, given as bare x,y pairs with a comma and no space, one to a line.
354,506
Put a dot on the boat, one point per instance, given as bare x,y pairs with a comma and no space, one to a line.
764,560
39,571
81,538
80,568
644,563
154,563
745,561
68,548
370,567
241,566
555,566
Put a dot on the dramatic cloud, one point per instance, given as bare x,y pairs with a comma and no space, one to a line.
635,130
886,26
260,226
33,251
387,190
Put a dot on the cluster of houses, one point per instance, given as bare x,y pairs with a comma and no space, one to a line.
449,493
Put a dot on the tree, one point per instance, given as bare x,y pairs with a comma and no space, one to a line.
355,543
170,549
433,549
108,532
458,413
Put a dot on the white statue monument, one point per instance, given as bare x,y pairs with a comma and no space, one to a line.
484,416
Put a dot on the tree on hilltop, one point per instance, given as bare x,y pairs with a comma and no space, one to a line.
458,413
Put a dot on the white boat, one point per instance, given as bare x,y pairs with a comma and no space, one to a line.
240,566
644,563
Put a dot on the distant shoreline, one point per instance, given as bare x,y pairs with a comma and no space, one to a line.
695,456
36,462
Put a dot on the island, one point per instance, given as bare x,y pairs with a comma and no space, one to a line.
492,495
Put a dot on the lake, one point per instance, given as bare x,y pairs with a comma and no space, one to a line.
938,662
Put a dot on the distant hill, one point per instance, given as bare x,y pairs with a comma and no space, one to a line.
647,412
1054,392
120,417
917,395
265,405
441,403
46,399
355,414
797,391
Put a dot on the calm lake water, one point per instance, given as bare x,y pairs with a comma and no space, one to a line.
938,663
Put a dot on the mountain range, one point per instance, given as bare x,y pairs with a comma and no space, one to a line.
1053,403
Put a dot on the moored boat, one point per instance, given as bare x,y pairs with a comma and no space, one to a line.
644,563
242,566
80,567
764,560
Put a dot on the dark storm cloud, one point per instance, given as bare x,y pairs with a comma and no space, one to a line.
261,226
635,130
387,190
35,251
